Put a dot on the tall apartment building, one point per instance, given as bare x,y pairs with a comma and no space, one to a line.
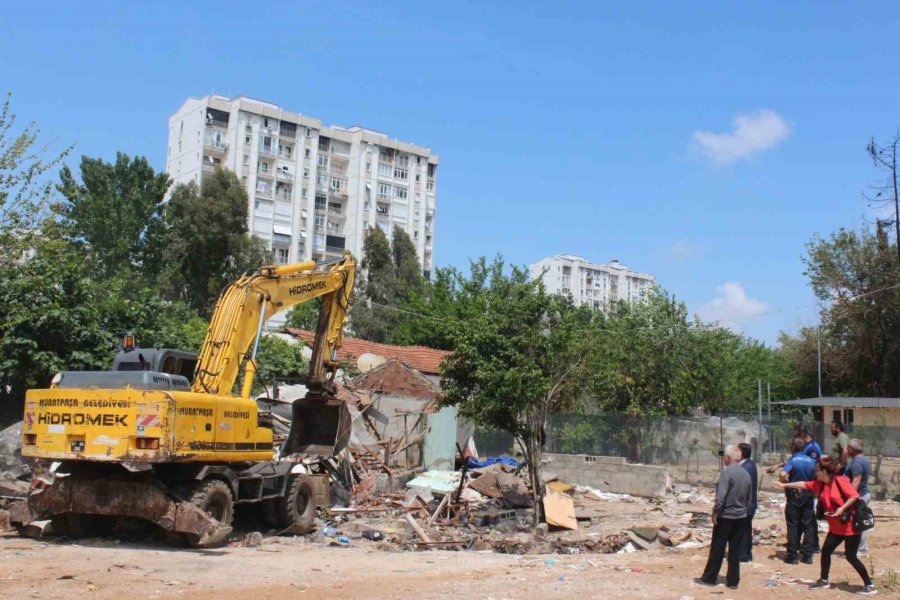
313,190
595,284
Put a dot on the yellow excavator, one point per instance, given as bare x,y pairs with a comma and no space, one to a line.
142,442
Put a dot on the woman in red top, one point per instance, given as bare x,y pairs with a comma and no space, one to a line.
837,496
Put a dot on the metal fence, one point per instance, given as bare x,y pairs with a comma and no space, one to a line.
681,440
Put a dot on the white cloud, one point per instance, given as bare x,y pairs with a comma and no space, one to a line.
685,250
731,306
752,133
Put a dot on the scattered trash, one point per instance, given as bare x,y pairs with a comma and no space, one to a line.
373,535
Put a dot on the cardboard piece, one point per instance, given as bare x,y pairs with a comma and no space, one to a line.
559,510
562,487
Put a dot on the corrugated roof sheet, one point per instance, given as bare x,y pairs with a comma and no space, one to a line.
420,358
397,378
844,401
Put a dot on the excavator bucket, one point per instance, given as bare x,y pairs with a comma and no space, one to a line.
320,425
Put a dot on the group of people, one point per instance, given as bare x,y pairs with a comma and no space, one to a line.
834,484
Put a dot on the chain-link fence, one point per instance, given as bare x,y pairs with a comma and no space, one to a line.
686,441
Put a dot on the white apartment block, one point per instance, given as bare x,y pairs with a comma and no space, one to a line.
596,284
313,190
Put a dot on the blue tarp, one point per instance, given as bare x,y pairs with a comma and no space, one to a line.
493,460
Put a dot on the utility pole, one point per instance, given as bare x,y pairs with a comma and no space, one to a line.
819,357
759,438
769,401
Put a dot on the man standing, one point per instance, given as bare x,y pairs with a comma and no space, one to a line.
858,471
812,448
728,516
799,511
841,442
746,554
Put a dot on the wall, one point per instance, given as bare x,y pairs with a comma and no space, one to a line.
608,474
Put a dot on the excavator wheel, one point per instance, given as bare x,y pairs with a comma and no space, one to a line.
296,512
213,497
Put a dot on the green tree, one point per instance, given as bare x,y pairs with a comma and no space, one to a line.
25,193
279,359
50,321
407,271
516,361
376,289
206,241
305,315
116,210
853,275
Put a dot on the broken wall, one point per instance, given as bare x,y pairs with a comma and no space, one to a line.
609,474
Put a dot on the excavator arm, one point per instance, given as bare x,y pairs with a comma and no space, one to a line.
249,302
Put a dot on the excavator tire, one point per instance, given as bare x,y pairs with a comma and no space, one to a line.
213,497
296,512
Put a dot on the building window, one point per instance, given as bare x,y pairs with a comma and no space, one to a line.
401,192
338,184
246,160
384,191
324,144
429,185
306,152
385,170
321,201
262,166
246,139
323,161
401,173
303,193
285,150
403,160
368,164
288,129
320,222
248,128
281,256
305,172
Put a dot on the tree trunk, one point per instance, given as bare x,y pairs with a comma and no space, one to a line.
535,454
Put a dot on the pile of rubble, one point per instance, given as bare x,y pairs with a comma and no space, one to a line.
489,507
15,476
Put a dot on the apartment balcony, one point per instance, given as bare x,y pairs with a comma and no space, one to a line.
284,176
216,122
215,147
287,130
267,151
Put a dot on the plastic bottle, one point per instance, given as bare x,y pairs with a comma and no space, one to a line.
330,531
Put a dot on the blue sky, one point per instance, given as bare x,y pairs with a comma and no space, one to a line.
703,143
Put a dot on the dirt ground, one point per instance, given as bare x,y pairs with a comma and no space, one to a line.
305,568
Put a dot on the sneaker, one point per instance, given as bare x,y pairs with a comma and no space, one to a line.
792,561
820,585
868,590
807,560
732,587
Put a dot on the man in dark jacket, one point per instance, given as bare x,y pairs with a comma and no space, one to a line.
748,465
729,513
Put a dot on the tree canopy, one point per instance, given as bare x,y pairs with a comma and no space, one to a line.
116,210
206,241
